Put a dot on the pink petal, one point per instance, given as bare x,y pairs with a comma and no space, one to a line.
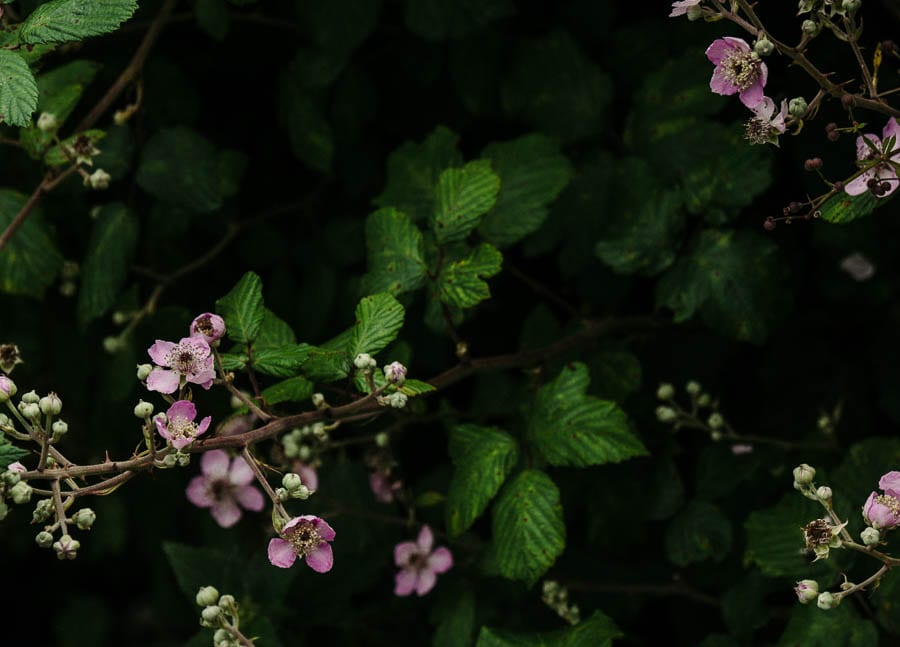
203,426
308,475
214,464
281,553
198,492
405,582
718,49
404,551
250,498
752,95
765,109
240,473
859,185
293,522
198,345
441,560
721,85
863,150
892,129
162,380
326,532
179,443
425,582
182,409
321,559
737,43
226,513
425,540
890,483
159,351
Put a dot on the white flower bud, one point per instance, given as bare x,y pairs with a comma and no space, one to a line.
211,613
827,601
304,453
207,596
693,388
694,13
810,27
42,511
50,404
169,460
382,439
60,428
98,180
824,493
7,388
797,107
143,409
363,361
804,474
21,493
43,539
318,400
47,122
31,398
665,391
715,421
807,591
282,494
66,547
704,400
85,518
112,344
716,435
763,47
228,603
221,636
30,410
291,481
301,493
395,373
870,536
851,5
143,370
182,459
666,414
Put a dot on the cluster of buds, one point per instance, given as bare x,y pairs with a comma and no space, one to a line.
12,487
302,442
222,614
703,412
293,488
556,597
34,412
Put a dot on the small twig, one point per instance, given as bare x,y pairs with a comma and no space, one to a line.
58,504
264,482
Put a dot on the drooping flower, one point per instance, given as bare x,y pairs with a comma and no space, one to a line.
890,483
860,269
767,124
681,7
179,427
882,511
308,537
419,564
882,175
187,361
209,326
224,487
738,70
383,486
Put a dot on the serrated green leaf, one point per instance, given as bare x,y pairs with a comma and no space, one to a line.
596,631
273,332
528,527
310,132
482,457
809,626
571,428
233,361
326,364
698,532
416,387
180,166
843,207
728,278
461,282
616,374
243,310
18,90
113,240
294,389
9,453
60,21
30,260
395,253
281,361
437,20
532,173
61,154
197,567
213,18
554,87
413,171
461,198
379,318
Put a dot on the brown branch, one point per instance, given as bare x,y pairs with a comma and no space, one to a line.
49,183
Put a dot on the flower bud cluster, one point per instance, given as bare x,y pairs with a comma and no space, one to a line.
301,441
702,406
556,597
293,488
219,612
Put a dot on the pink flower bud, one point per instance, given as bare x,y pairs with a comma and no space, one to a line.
209,326
882,511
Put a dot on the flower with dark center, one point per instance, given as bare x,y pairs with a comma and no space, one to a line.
187,361
224,487
870,147
178,426
308,537
738,70
419,564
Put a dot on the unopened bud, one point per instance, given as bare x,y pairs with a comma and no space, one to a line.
98,180
827,601
824,493
43,539
143,370
666,414
143,409
282,494
66,547
807,591
60,428
301,493
42,511
47,122
291,481
804,474
85,518
715,420
382,439
21,493
207,596
704,400
693,388
797,107
363,361
112,344
211,613
228,603
694,13
31,397
665,391
851,5
30,410
318,400
810,27
7,388
763,46
870,536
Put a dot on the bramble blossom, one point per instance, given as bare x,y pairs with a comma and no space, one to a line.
738,70
187,361
209,326
890,483
179,427
766,125
682,7
883,176
860,269
306,536
308,475
420,565
224,487
383,486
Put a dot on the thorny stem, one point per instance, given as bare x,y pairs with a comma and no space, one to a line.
849,32
50,182
58,504
262,415
236,633
869,580
264,482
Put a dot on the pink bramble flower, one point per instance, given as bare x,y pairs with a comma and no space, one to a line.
890,483
384,487
882,511
880,179
307,537
179,427
767,124
682,7
209,326
738,70
17,467
419,564
307,473
224,487
187,361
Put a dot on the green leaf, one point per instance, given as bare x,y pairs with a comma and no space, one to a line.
379,318
273,332
233,361
413,171
482,458
395,253
730,279
339,25
105,268
326,364
198,567
180,166
116,152
532,173
809,626
843,207
18,89
554,87
461,282
416,387
571,428
457,624
281,361
243,310
698,532
60,21
231,165
213,18
461,198
437,20
596,631
59,155
294,389
643,225
311,136
30,260
616,374
529,532
9,453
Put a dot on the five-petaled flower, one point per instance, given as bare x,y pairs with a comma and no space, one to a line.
882,175
419,564
179,427
224,487
209,326
738,70
384,487
187,361
306,536
767,124
883,510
